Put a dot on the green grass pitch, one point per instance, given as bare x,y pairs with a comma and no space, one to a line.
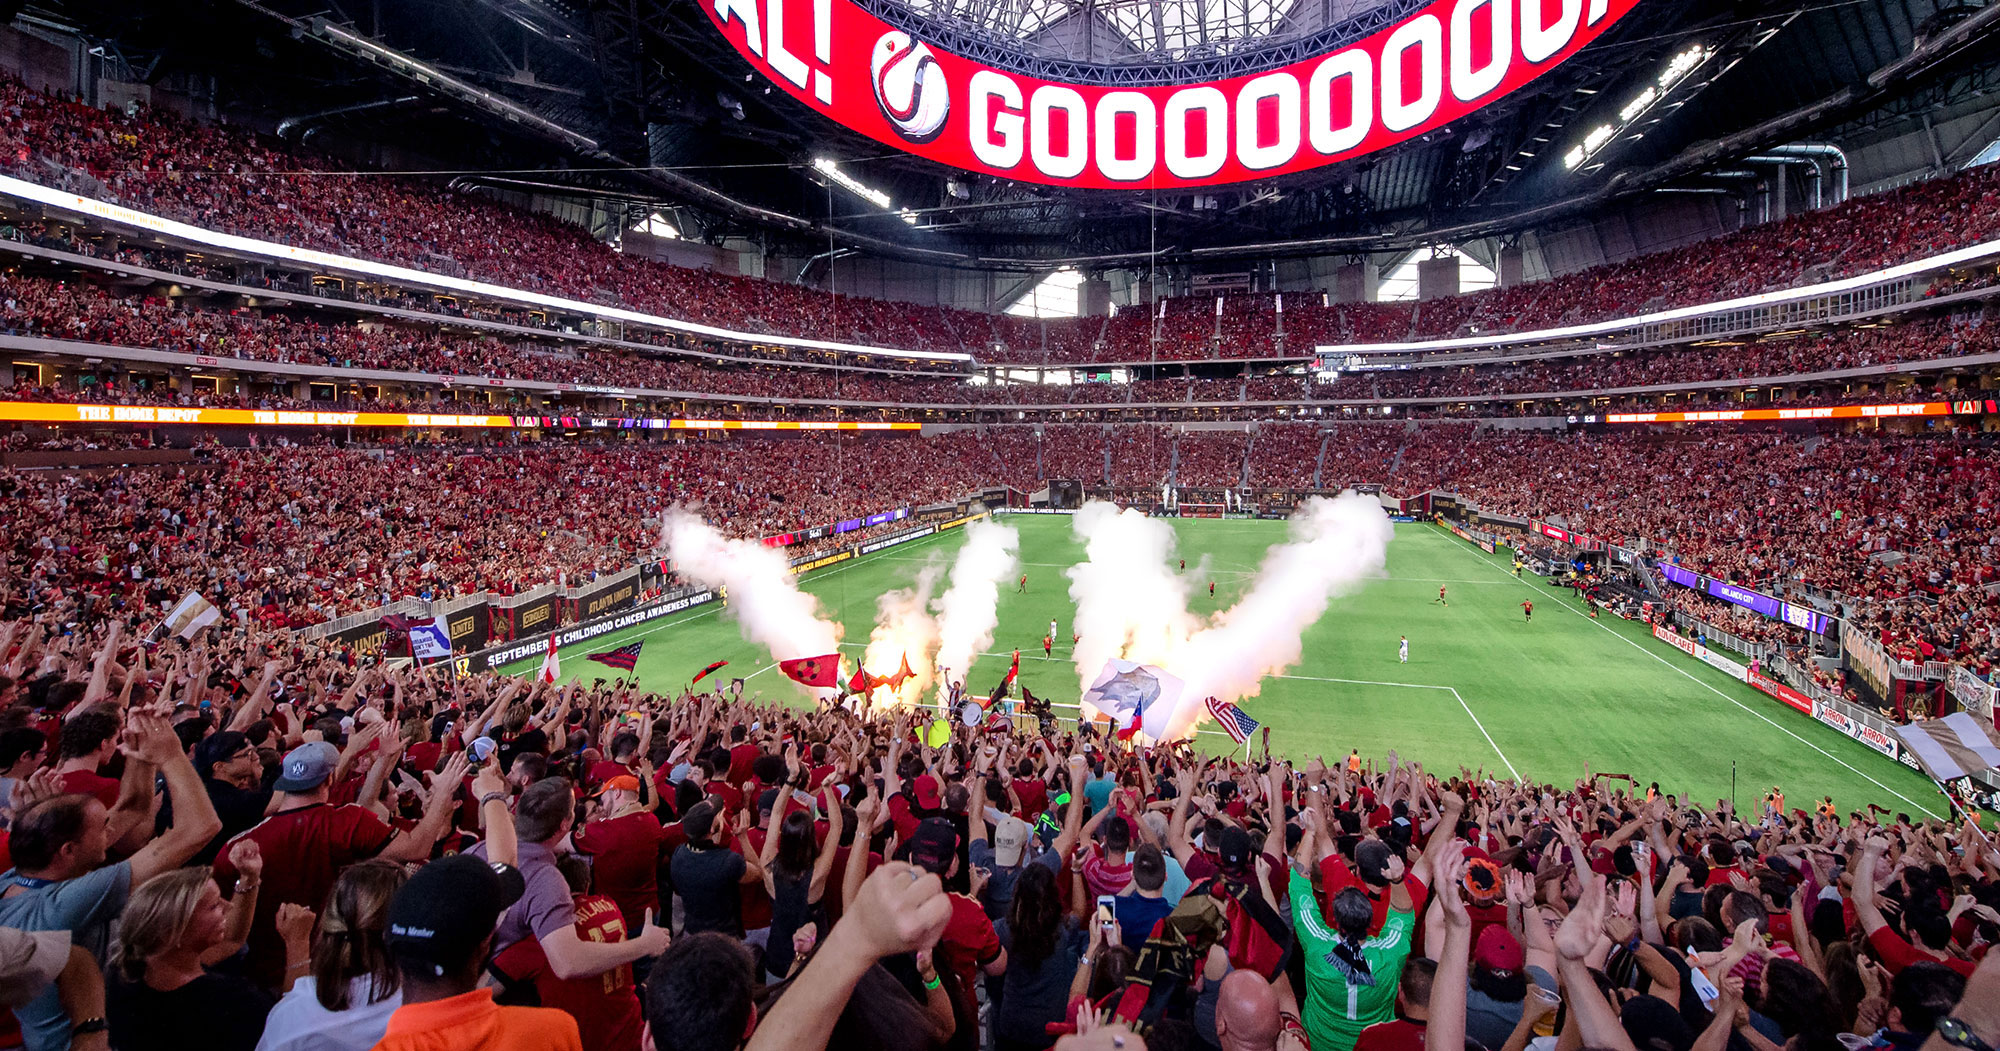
1482,688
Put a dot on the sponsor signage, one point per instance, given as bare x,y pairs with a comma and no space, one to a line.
1825,412
1876,739
1791,613
1679,641
1835,718
66,412
810,564
1553,533
1793,698
1723,664
893,539
494,658
1434,67
956,522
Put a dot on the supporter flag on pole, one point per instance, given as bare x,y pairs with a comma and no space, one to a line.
622,658
190,615
702,674
901,675
1951,747
430,639
862,682
1135,697
813,671
1235,722
551,664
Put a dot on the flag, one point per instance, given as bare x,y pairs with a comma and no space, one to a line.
862,682
622,658
813,671
1013,670
901,676
1951,747
1135,697
551,664
430,639
1235,722
398,622
698,676
190,615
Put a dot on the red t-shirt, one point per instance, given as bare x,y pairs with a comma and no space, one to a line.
1034,796
967,945
625,860
424,755
304,850
1897,954
755,903
605,769
1398,1035
90,783
1102,877
740,759
605,1006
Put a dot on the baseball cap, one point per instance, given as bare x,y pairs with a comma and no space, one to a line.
933,845
1498,951
1232,849
307,767
926,789
768,800
621,783
217,747
448,908
1010,838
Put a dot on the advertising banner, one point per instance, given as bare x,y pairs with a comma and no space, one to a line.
1793,698
608,596
893,539
535,647
1433,68
1826,412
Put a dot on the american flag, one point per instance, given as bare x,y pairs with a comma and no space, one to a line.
1235,722
624,657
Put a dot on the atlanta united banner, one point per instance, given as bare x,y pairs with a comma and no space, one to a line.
1434,67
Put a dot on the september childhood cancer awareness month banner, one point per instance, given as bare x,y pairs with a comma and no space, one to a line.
1436,66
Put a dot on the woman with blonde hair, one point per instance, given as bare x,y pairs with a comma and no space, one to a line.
175,931
345,1003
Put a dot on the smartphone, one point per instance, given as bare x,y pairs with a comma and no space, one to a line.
1107,911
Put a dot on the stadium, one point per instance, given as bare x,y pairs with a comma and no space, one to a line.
999,524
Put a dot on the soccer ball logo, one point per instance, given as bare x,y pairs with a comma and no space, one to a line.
909,86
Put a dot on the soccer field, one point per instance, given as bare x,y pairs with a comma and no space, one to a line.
1482,689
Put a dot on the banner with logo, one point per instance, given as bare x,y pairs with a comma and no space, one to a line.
1793,698
607,596
1433,68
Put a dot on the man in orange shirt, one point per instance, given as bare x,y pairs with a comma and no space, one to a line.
440,929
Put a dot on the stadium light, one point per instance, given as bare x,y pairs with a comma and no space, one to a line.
828,168
1638,106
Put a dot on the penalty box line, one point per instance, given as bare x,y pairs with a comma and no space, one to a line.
1423,686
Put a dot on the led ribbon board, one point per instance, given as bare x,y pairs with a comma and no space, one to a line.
1436,66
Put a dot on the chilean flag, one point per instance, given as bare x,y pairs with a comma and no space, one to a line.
551,664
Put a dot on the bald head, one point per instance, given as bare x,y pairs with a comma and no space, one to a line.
1246,1013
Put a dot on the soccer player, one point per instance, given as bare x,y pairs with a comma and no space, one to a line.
1441,600
1023,589
1053,633
1183,565
1048,646
1527,609
1403,649
1211,589
1517,567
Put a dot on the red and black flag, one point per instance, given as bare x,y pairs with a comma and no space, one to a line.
813,671
901,676
702,674
622,658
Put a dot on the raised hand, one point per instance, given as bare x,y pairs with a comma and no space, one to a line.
247,859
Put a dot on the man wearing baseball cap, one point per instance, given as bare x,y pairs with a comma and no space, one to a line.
624,840
440,931
308,841
969,945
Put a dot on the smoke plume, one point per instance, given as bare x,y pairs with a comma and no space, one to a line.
904,628
970,609
763,594
1131,605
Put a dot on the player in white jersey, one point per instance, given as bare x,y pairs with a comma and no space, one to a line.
1403,649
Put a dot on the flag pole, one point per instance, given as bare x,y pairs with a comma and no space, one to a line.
1970,818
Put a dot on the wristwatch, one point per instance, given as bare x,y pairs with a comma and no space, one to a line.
1957,1034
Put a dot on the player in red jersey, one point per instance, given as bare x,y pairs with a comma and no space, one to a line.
1528,609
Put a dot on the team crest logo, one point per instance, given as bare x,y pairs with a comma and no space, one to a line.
909,86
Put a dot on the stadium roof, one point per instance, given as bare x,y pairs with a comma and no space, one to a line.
642,104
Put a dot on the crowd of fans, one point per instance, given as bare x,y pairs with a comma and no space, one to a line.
256,840
227,178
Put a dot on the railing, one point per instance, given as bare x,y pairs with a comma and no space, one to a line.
1719,638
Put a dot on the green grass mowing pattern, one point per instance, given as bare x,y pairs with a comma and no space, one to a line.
1548,695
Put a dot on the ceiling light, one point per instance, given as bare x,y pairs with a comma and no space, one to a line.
868,193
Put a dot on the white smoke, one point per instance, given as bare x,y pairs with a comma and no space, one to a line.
969,610
764,596
904,628
1130,605
1335,545
1129,601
